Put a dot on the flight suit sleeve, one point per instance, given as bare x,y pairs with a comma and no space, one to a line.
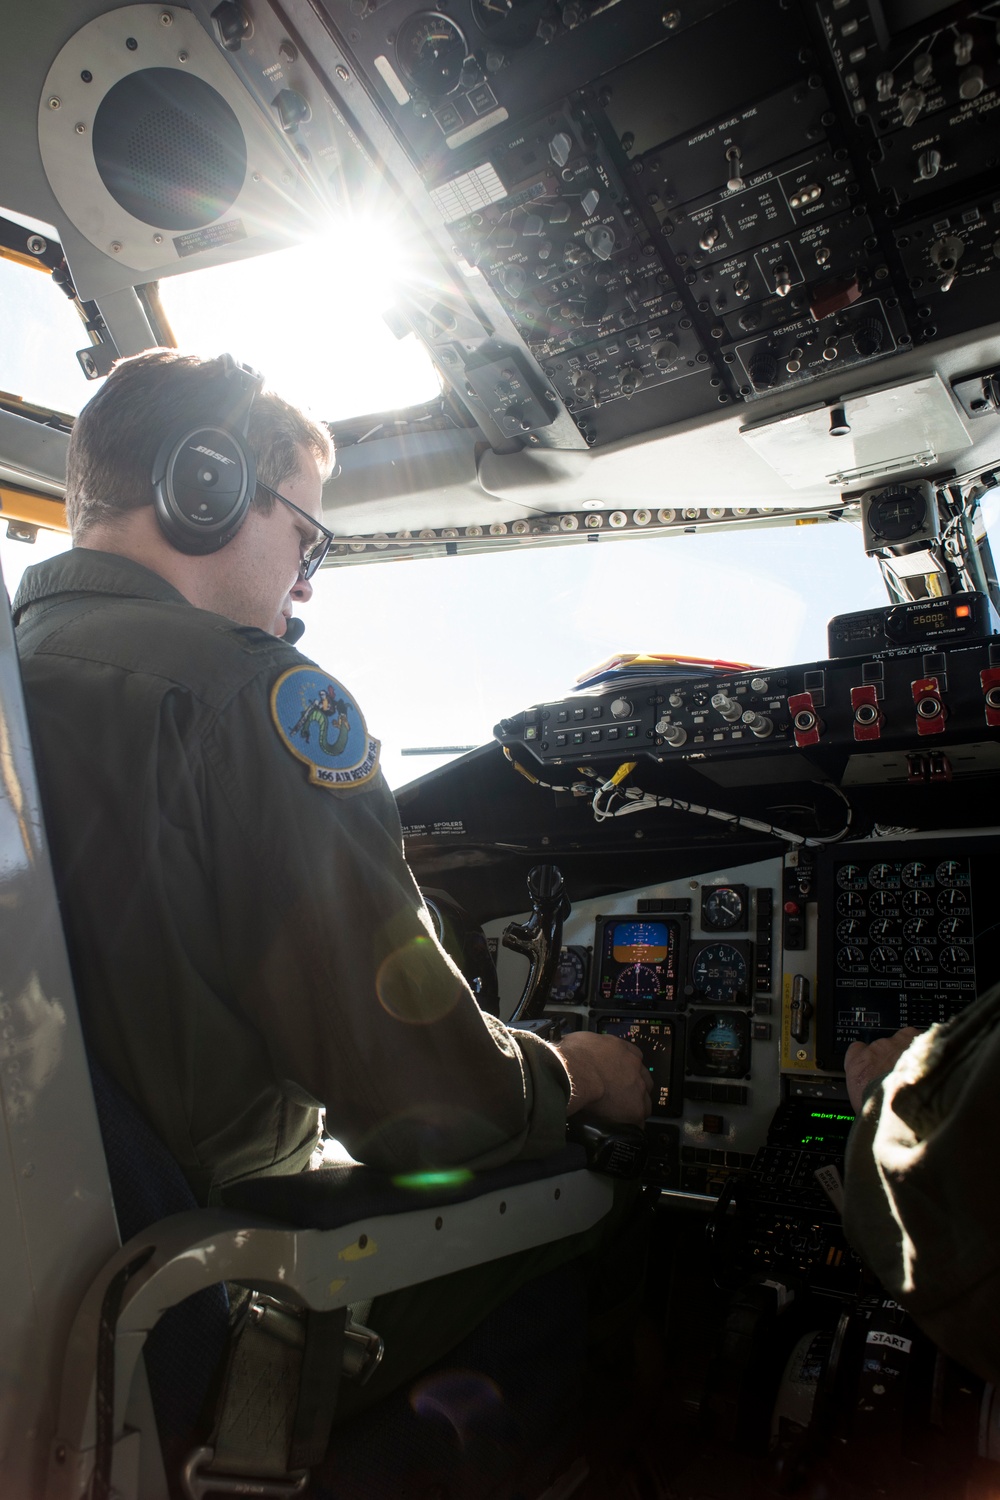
920,1204
332,953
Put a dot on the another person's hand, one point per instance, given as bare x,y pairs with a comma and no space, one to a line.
864,1063
608,1076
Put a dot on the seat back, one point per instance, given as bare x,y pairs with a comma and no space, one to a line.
55,1198
185,1349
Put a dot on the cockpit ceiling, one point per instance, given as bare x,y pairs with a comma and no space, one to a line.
653,253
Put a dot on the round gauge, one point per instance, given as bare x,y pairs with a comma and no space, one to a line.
570,976
955,960
505,20
950,872
883,903
430,50
850,930
850,958
918,930
722,907
883,958
639,984
850,878
917,874
952,929
720,973
896,514
719,1045
881,928
918,958
883,877
850,904
955,902
917,903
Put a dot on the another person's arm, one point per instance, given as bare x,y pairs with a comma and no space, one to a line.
866,1063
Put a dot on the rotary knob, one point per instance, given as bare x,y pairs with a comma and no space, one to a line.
674,734
621,708
763,370
726,706
868,337
758,724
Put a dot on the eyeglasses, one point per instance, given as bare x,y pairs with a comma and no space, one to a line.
314,554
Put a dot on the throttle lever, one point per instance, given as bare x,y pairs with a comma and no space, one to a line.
539,939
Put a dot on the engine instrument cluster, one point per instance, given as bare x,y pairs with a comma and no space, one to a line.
900,940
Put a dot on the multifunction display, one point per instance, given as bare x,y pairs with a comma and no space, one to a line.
639,962
661,1040
897,941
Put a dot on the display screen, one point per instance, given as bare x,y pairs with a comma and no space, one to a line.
639,962
662,1045
825,1129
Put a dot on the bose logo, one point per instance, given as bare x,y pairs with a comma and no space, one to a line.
220,458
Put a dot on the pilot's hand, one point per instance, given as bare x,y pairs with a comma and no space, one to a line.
609,1077
863,1063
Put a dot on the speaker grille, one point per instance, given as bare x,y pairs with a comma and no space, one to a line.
169,149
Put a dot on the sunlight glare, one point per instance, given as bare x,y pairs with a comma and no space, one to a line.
310,318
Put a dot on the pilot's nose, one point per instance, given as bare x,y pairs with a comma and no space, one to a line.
302,591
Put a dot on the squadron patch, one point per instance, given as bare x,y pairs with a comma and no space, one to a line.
323,727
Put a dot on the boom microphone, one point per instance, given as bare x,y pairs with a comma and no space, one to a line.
294,630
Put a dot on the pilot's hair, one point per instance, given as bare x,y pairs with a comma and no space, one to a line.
117,435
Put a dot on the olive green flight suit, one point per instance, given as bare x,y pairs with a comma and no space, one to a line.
921,1203
249,947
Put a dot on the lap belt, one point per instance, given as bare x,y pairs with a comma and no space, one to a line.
279,1394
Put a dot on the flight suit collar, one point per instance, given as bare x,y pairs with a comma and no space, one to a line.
83,571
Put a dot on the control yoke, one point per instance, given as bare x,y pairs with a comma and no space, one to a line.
539,939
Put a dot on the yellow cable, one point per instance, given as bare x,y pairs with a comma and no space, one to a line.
623,770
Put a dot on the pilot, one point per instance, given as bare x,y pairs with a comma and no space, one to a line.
248,944
920,1199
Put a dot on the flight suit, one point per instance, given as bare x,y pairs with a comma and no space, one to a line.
921,1203
247,942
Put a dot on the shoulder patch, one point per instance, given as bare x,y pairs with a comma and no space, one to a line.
319,722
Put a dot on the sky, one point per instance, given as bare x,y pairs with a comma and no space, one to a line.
436,651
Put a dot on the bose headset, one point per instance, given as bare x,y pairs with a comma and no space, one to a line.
204,478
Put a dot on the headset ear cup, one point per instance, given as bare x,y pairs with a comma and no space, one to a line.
203,485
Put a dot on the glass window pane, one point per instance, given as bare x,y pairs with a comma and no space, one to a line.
310,318
42,332
437,652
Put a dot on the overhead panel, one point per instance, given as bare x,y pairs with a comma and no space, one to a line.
682,209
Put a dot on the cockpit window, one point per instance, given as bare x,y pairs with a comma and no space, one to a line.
436,652
311,318
42,333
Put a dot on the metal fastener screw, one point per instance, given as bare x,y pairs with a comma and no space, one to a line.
342,73
256,176
166,19
81,129
182,57
37,245
157,239
55,103
116,247
671,19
